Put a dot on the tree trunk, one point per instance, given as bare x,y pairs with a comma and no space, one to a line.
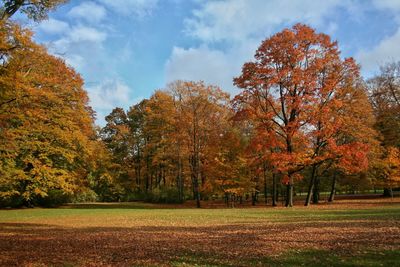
265,183
333,189
289,193
226,199
274,191
197,192
387,192
289,187
310,186
193,188
179,182
316,191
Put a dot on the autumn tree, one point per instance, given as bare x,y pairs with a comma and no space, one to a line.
290,92
201,110
46,124
159,128
391,169
384,94
136,117
116,137
343,137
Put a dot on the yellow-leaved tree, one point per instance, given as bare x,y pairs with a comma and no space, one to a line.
47,134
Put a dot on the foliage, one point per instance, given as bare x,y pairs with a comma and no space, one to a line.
33,9
384,94
174,138
47,135
297,94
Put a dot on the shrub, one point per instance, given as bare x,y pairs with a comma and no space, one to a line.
54,198
163,195
87,195
13,201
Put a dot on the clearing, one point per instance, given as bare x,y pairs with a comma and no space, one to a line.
347,233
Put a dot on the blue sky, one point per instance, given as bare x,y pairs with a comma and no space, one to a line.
125,49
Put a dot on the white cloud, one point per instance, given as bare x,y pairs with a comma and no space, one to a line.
76,61
139,8
109,94
86,34
209,65
393,5
89,11
387,50
53,26
81,47
78,36
240,19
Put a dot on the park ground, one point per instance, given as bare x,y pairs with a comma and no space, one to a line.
346,233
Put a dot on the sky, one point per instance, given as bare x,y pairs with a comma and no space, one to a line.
126,49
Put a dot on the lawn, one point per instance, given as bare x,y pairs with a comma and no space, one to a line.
348,233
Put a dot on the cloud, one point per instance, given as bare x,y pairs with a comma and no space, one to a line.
138,8
209,65
387,50
53,26
393,5
88,11
241,19
107,95
81,47
86,34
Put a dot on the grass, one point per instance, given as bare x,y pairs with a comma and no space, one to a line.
349,233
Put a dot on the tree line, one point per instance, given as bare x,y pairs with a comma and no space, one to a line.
305,121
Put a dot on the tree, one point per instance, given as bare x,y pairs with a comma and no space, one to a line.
344,138
290,92
117,138
34,9
47,131
384,94
392,168
202,111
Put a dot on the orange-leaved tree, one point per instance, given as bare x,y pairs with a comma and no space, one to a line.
290,93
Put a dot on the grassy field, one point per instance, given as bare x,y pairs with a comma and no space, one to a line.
348,233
